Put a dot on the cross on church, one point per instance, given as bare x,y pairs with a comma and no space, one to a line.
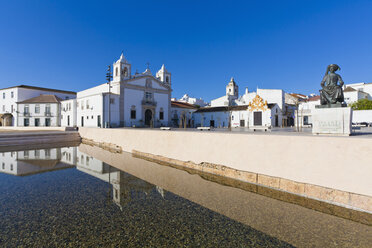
148,65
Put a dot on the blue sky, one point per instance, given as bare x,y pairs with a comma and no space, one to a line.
266,44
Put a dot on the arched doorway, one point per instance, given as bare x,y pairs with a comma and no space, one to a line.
6,120
148,117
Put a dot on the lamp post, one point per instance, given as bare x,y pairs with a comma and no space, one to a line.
108,78
230,114
297,119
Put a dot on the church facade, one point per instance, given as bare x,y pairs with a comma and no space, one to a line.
129,100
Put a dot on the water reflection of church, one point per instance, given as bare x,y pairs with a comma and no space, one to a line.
125,187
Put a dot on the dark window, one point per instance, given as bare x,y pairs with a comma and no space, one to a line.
133,114
47,122
211,123
306,120
161,115
47,153
26,122
37,108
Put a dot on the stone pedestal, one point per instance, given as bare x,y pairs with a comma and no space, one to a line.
336,121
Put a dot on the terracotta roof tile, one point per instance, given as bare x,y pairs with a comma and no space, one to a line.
43,99
176,104
298,95
40,88
349,89
314,98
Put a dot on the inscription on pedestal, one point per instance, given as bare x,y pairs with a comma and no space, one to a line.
332,121
332,126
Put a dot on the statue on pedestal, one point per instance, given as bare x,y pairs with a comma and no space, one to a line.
332,116
331,94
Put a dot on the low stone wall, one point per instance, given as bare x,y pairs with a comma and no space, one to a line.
332,169
362,116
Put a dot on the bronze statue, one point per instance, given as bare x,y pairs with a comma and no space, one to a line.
331,92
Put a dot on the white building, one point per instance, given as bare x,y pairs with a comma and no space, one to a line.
182,113
305,110
69,113
257,113
212,117
192,100
265,107
29,162
364,88
352,95
40,111
9,97
140,99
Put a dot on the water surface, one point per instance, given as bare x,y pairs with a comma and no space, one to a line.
85,196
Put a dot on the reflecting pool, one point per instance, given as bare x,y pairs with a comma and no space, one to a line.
86,196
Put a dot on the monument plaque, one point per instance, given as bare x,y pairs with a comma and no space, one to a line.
335,121
332,116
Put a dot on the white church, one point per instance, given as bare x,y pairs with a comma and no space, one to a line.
140,99
265,107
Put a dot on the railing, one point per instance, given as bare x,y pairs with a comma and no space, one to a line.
26,114
148,102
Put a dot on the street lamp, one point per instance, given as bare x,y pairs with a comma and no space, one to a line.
108,78
230,114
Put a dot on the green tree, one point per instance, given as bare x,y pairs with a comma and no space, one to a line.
362,104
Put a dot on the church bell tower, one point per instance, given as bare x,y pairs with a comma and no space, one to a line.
122,69
232,88
163,75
